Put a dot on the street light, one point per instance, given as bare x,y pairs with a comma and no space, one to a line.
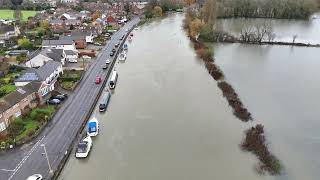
45,151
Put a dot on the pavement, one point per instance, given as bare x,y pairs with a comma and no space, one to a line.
56,138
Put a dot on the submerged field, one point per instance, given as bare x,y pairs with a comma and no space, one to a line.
8,14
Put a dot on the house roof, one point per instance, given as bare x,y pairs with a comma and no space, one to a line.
68,21
15,97
70,52
57,42
54,54
39,74
6,28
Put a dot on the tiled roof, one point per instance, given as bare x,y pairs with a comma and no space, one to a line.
39,74
56,42
15,97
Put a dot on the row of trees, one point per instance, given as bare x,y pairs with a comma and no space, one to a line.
288,9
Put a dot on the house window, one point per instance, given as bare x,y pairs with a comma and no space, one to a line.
2,126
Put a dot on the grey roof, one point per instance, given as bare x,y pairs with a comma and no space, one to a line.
57,42
70,52
39,74
15,97
55,54
6,28
72,38
67,21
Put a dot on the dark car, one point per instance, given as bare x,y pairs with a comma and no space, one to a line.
53,101
60,97
117,45
113,50
105,66
112,54
122,37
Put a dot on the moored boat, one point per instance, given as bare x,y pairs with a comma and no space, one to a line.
93,127
122,56
84,147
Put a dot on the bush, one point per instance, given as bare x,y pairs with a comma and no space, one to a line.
207,34
16,127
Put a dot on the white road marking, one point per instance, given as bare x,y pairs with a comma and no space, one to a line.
25,158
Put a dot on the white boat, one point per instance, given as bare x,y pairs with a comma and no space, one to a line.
93,127
113,80
122,56
84,147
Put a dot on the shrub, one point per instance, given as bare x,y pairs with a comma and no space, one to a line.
16,127
207,34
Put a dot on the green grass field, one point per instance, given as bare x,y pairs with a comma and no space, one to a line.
8,14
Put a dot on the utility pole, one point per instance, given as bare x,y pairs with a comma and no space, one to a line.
45,151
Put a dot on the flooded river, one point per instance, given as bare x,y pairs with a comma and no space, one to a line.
280,86
167,118
306,31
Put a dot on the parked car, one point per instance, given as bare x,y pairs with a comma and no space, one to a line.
98,80
35,177
113,50
60,97
72,60
112,54
105,66
108,61
117,45
122,37
53,101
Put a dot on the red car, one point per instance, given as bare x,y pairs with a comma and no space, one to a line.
98,80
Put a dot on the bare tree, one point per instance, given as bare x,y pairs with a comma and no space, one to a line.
258,33
209,12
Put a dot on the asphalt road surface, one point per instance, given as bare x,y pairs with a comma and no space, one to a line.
29,159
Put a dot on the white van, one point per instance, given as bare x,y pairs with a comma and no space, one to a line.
113,80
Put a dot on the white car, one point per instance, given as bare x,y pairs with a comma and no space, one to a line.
84,147
35,177
108,61
72,60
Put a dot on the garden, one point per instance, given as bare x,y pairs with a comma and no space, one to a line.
26,127
7,82
70,79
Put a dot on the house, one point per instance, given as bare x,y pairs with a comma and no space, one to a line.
67,16
64,24
138,7
59,44
47,75
71,56
81,38
16,103
7,32
46,55
110,20
18,52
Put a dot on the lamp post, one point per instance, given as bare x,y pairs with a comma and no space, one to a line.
45,151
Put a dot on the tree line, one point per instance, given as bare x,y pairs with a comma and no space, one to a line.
286,9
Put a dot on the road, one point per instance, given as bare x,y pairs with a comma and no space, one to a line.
29,159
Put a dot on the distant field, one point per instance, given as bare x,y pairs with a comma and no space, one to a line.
8,14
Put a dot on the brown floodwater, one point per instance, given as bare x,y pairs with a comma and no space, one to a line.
280,87
167,118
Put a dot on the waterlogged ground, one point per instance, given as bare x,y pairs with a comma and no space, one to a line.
280,86
167,118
